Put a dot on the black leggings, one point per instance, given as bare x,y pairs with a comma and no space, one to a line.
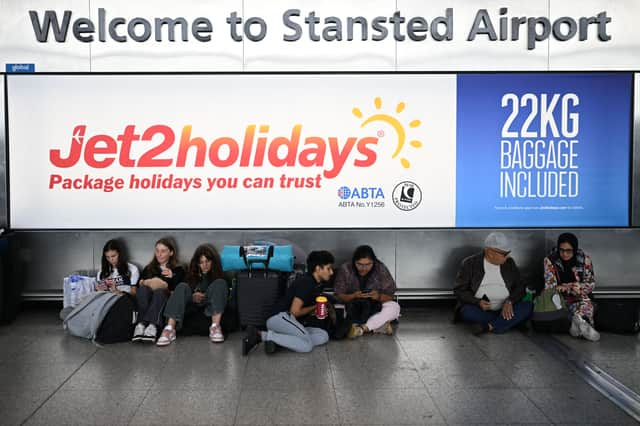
150,304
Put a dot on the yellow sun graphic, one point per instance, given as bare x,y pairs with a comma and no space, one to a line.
395,123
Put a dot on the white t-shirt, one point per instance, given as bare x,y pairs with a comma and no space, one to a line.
124,283
493,286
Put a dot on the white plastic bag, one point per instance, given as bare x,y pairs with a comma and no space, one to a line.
76,287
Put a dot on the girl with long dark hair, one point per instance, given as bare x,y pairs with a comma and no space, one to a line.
205,291
367,287
116,273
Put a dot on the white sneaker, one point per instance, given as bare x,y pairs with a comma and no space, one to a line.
575,326
588,332
168,335
150,333
215,333
138,332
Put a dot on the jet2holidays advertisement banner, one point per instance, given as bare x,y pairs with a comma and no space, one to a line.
318,150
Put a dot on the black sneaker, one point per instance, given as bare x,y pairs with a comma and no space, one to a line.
138,333
270,346
250,340
150,333
478,329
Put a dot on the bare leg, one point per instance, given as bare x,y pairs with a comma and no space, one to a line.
215,319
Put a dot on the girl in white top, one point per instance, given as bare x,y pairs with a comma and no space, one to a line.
116,273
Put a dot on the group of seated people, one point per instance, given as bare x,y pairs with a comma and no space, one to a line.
364,285
489,290
164,290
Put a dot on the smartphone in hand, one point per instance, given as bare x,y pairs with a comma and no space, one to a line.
101,285
366,290
485,298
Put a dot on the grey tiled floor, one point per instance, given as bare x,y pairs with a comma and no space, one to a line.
430,372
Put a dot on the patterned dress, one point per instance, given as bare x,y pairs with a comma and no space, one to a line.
578,301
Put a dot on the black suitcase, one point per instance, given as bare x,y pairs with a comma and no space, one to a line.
257,293
617,315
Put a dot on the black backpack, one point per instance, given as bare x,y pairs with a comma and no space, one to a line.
617,315
117,326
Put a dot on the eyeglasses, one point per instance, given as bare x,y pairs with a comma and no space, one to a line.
500,252
364,265
568,251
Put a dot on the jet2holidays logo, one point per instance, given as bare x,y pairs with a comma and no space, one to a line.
374,196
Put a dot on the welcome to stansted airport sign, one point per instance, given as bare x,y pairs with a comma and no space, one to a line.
294,35
319,150
297,24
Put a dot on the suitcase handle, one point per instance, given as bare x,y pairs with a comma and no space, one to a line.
251,262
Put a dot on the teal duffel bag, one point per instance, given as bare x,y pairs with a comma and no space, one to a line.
260,255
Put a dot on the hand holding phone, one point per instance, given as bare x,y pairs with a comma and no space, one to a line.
166,272
110,283
199,297
485,304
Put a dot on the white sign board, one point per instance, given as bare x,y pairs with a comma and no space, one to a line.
232,151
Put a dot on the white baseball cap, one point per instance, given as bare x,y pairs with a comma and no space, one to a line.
497,240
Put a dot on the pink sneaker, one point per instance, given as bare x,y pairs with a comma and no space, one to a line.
215,333
168,335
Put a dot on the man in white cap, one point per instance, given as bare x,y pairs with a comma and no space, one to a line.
489,289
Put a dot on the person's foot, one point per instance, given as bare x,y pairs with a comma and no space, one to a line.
138,332
588,332
150,333
270,346
477,329
250,340
387,329
355,331
215,333
575,326
168,335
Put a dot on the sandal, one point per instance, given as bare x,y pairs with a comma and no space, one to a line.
168,335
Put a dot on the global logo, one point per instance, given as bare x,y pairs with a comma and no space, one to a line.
361,193
407,196
344,192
